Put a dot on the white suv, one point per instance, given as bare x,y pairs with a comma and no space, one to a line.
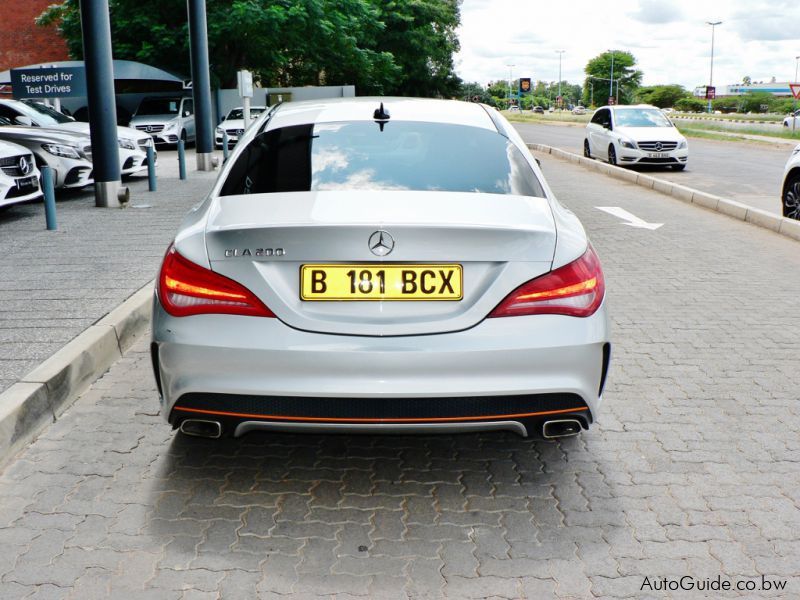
790,195
635,135
167,119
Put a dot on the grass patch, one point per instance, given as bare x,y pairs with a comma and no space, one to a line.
529,117
783,132
733,117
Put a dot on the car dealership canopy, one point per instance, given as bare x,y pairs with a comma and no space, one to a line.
129,76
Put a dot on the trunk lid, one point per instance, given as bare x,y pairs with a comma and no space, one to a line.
262,241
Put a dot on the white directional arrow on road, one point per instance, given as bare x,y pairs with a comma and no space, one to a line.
630,220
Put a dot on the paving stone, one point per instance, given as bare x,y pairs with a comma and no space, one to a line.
684,473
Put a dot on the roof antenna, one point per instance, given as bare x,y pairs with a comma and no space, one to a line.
381,114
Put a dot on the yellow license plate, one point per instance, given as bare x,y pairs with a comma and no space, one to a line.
380,282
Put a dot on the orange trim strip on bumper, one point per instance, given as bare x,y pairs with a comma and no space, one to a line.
370,420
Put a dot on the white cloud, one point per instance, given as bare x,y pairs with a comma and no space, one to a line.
670,40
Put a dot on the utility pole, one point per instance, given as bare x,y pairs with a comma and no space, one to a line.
201,84
96,31
560,98
611,84
510,79
794,104
711,76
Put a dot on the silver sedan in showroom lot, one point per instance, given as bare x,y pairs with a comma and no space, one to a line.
380,265
132,144
68,153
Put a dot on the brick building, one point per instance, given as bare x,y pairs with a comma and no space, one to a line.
22,42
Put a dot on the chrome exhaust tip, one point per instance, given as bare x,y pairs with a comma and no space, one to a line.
561,428
201,428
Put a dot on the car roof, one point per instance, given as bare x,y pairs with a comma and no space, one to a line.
336,110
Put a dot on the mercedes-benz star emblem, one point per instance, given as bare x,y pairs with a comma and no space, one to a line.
381,243
659,147
149,128
24,165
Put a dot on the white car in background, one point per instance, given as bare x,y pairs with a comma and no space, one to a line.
132,144
793,116
19,177
790,195
638,134
68,153
233,124
167,119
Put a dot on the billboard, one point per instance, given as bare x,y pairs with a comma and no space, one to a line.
524,85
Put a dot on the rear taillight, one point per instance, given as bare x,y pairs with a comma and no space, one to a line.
575,290
186,288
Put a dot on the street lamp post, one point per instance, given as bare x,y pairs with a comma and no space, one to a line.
611,84
510,79
794,105
559,99
711,76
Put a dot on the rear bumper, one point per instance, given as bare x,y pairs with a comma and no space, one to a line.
515,370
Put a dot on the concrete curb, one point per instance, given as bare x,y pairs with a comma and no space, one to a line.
42,395
761,218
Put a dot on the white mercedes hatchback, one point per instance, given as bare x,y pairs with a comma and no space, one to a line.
635,135
380,265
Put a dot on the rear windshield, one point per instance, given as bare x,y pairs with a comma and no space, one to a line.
388,156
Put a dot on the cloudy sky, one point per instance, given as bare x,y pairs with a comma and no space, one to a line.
669,38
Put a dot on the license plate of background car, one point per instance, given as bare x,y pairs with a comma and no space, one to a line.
381,282
28,182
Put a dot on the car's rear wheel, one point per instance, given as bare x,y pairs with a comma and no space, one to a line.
678,167
587,152
612,155
791,197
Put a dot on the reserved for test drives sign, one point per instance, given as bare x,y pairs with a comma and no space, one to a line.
48,82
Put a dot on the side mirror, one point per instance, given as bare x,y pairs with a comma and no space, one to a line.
23,120
187,113
223,117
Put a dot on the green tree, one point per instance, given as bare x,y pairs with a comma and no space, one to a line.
290,42
690,104
598,72
663,96
475,92
421,36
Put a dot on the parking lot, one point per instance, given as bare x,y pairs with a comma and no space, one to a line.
693,470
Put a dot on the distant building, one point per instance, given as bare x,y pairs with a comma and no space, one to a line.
776,88
22,41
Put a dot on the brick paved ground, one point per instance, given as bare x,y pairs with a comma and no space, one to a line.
53,285
694,468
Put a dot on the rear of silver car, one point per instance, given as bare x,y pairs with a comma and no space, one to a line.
329,285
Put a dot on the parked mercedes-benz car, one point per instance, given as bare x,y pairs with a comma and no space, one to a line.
233,124
68,153
790,194
380,265
793,119
635,135
132,144
166,119
19,177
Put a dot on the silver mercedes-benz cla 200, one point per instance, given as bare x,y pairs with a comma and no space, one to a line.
380,265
